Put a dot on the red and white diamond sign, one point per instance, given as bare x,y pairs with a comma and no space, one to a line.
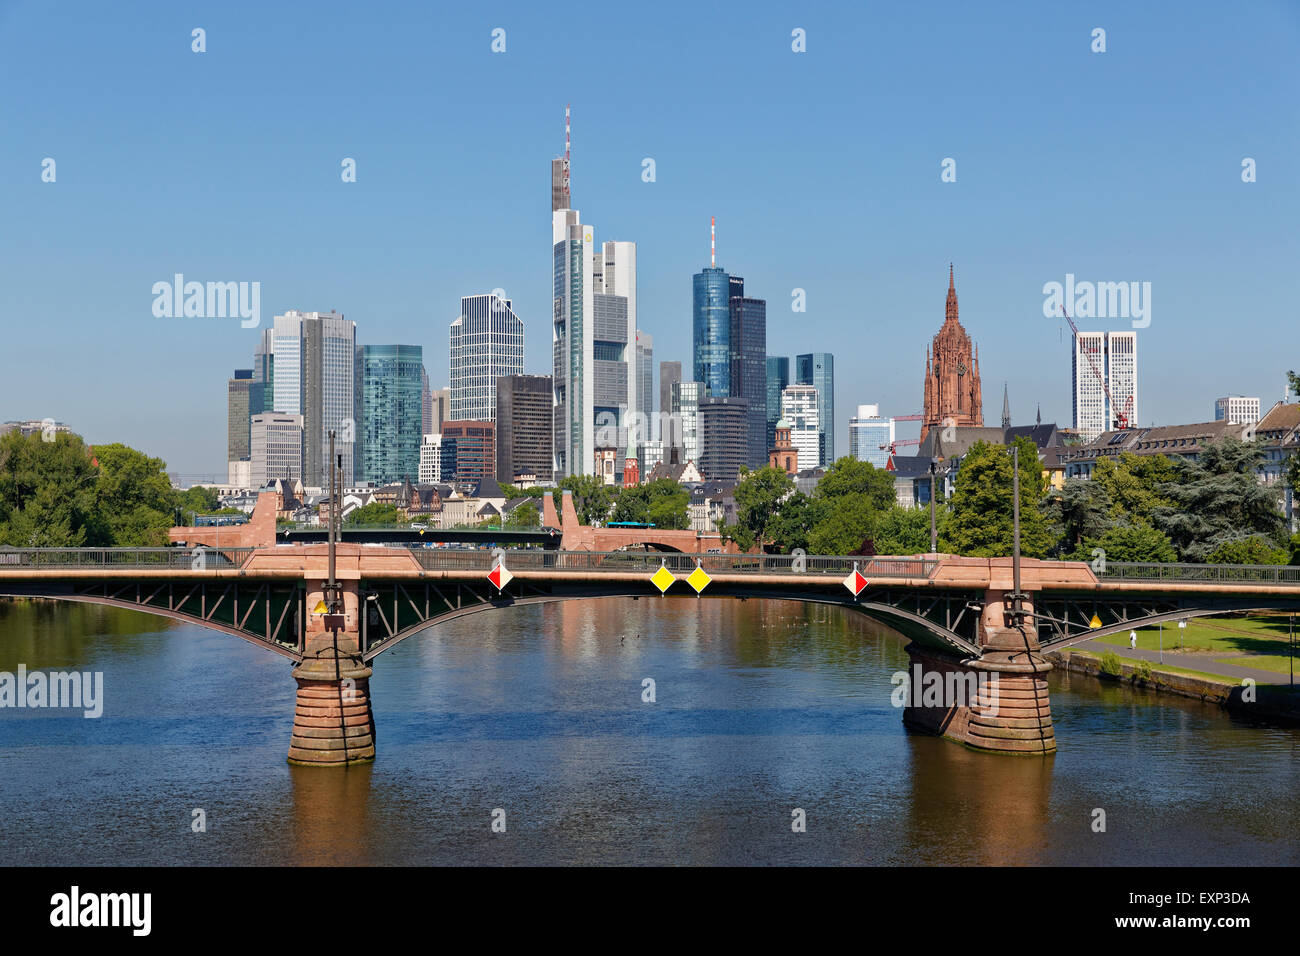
855,582
500,576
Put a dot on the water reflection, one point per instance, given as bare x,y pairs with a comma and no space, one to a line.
761,708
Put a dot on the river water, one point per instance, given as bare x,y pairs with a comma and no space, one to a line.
761,708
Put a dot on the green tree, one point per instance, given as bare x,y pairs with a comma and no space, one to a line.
1217,499
981,524
134,501
1293,463
1081,510
662,502
378,514
47,491
849,478
1255,549
199,499
1139,542
592,498
906,530
525,515
759,498
842,524
1133,484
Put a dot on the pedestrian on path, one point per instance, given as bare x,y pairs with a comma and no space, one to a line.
1133,639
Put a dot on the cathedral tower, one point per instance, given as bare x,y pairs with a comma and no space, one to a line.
952,373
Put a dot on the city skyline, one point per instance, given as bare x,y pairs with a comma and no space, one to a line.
1034,201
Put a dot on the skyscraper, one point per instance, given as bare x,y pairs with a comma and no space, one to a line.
237,414
475,451
390,420
645,384
593,334
729,334
426,403
778,377
686,413
818,370
1110,357
871,436
487,341
799,407
315,376
670,373
523,432
952,373
723,437
712,330
749,372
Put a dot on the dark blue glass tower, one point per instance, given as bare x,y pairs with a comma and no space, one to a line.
712,331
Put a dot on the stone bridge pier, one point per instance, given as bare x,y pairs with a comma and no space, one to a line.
332,722
996,702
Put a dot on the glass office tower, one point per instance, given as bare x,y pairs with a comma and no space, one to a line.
818,370
391,414
712,330
778,377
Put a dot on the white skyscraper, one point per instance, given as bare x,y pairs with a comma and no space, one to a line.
593,335
799,408
1112,357
487,342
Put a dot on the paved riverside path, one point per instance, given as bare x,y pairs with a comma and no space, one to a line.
1196,662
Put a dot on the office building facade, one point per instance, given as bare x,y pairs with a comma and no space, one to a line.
778,377
723,437
749,372
1108,356
487,341
670,373
1235,408
686,420
818,370
391,416
473,445
801,409
275,446
871,436
237,414
524,427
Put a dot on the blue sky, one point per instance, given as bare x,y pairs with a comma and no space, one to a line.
822,168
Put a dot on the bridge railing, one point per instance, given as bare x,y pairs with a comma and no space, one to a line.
453,559
180,559
1210,573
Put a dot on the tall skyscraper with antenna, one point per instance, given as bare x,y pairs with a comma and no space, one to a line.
593,333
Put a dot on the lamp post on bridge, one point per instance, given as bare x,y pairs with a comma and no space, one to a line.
934,538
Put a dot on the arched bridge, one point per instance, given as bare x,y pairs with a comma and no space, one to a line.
953,610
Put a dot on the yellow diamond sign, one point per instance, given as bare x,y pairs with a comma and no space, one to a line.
662,579
320,608
698,579
1095,622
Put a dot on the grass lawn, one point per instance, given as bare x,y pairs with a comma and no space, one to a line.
1275,665
1254,641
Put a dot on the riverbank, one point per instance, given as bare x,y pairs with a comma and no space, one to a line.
1271,702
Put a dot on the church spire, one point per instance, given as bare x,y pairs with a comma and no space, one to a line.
950,309
1006,407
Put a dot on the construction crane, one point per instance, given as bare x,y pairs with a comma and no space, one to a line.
1121,415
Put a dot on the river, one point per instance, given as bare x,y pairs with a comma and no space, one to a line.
760,708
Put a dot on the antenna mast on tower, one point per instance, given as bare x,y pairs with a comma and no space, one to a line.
713,243
566,155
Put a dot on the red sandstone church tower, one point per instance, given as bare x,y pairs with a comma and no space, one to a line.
952,373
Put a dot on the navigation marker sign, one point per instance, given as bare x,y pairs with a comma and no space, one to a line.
1094,623
855,582
500,576
698,579
662,579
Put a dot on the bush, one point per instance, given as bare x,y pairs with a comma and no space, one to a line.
1142,671
1110,664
